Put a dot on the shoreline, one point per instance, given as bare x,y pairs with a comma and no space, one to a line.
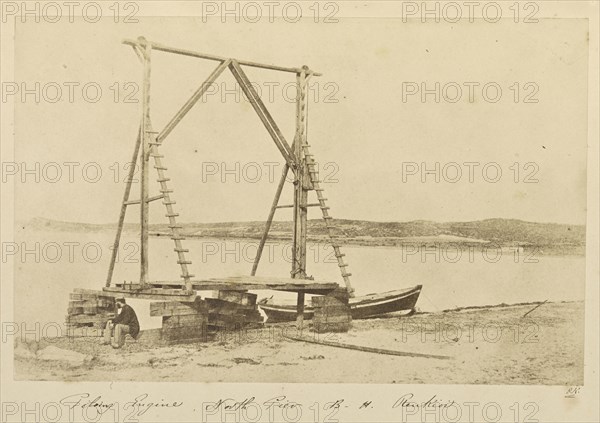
499,344
549,239
398,244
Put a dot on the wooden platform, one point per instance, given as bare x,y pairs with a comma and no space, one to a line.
234,283
175,290
135,291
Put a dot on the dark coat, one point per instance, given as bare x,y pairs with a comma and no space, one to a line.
129,318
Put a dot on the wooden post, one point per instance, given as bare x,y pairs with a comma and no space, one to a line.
263,240
144,163
300,195
300,310
300,191
128,183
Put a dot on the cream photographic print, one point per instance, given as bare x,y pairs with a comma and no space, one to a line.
299,211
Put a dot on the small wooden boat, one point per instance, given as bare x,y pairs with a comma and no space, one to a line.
360,307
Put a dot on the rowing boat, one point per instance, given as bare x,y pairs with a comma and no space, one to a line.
363,307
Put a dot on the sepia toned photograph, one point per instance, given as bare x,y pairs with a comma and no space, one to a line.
294,211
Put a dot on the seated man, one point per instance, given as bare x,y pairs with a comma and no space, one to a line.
124,323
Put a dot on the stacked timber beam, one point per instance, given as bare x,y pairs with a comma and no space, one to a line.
88,312
233,310
182,322
200,320
332,312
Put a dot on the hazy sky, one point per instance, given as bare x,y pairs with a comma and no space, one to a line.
368,139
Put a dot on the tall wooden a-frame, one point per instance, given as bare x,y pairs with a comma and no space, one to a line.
297,158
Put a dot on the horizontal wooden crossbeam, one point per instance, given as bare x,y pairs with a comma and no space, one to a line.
287,206
156,197
150,293
241,283
160,47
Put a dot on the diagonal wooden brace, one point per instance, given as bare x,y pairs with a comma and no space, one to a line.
192,101
264,115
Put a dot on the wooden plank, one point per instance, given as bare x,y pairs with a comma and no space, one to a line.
185,328
151,294
92,302
90,292
195,320
242,298
233,321
158,291
151,336
272,279
245,283
83,318
219,306
176,308
365,349
309,289
249,280
150,199
183,334
90,310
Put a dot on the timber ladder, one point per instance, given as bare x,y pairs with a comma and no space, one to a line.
306,179
308,158
165,194
313,175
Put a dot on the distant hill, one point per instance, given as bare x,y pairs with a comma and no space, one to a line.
502,232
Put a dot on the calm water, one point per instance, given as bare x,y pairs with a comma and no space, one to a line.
58,262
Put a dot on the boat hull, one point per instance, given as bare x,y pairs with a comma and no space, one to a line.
360,307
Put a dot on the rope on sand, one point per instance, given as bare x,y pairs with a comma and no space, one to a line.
366,349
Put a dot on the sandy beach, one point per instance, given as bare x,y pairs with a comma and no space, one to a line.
487,345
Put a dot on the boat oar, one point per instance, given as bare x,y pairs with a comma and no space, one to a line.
366,349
